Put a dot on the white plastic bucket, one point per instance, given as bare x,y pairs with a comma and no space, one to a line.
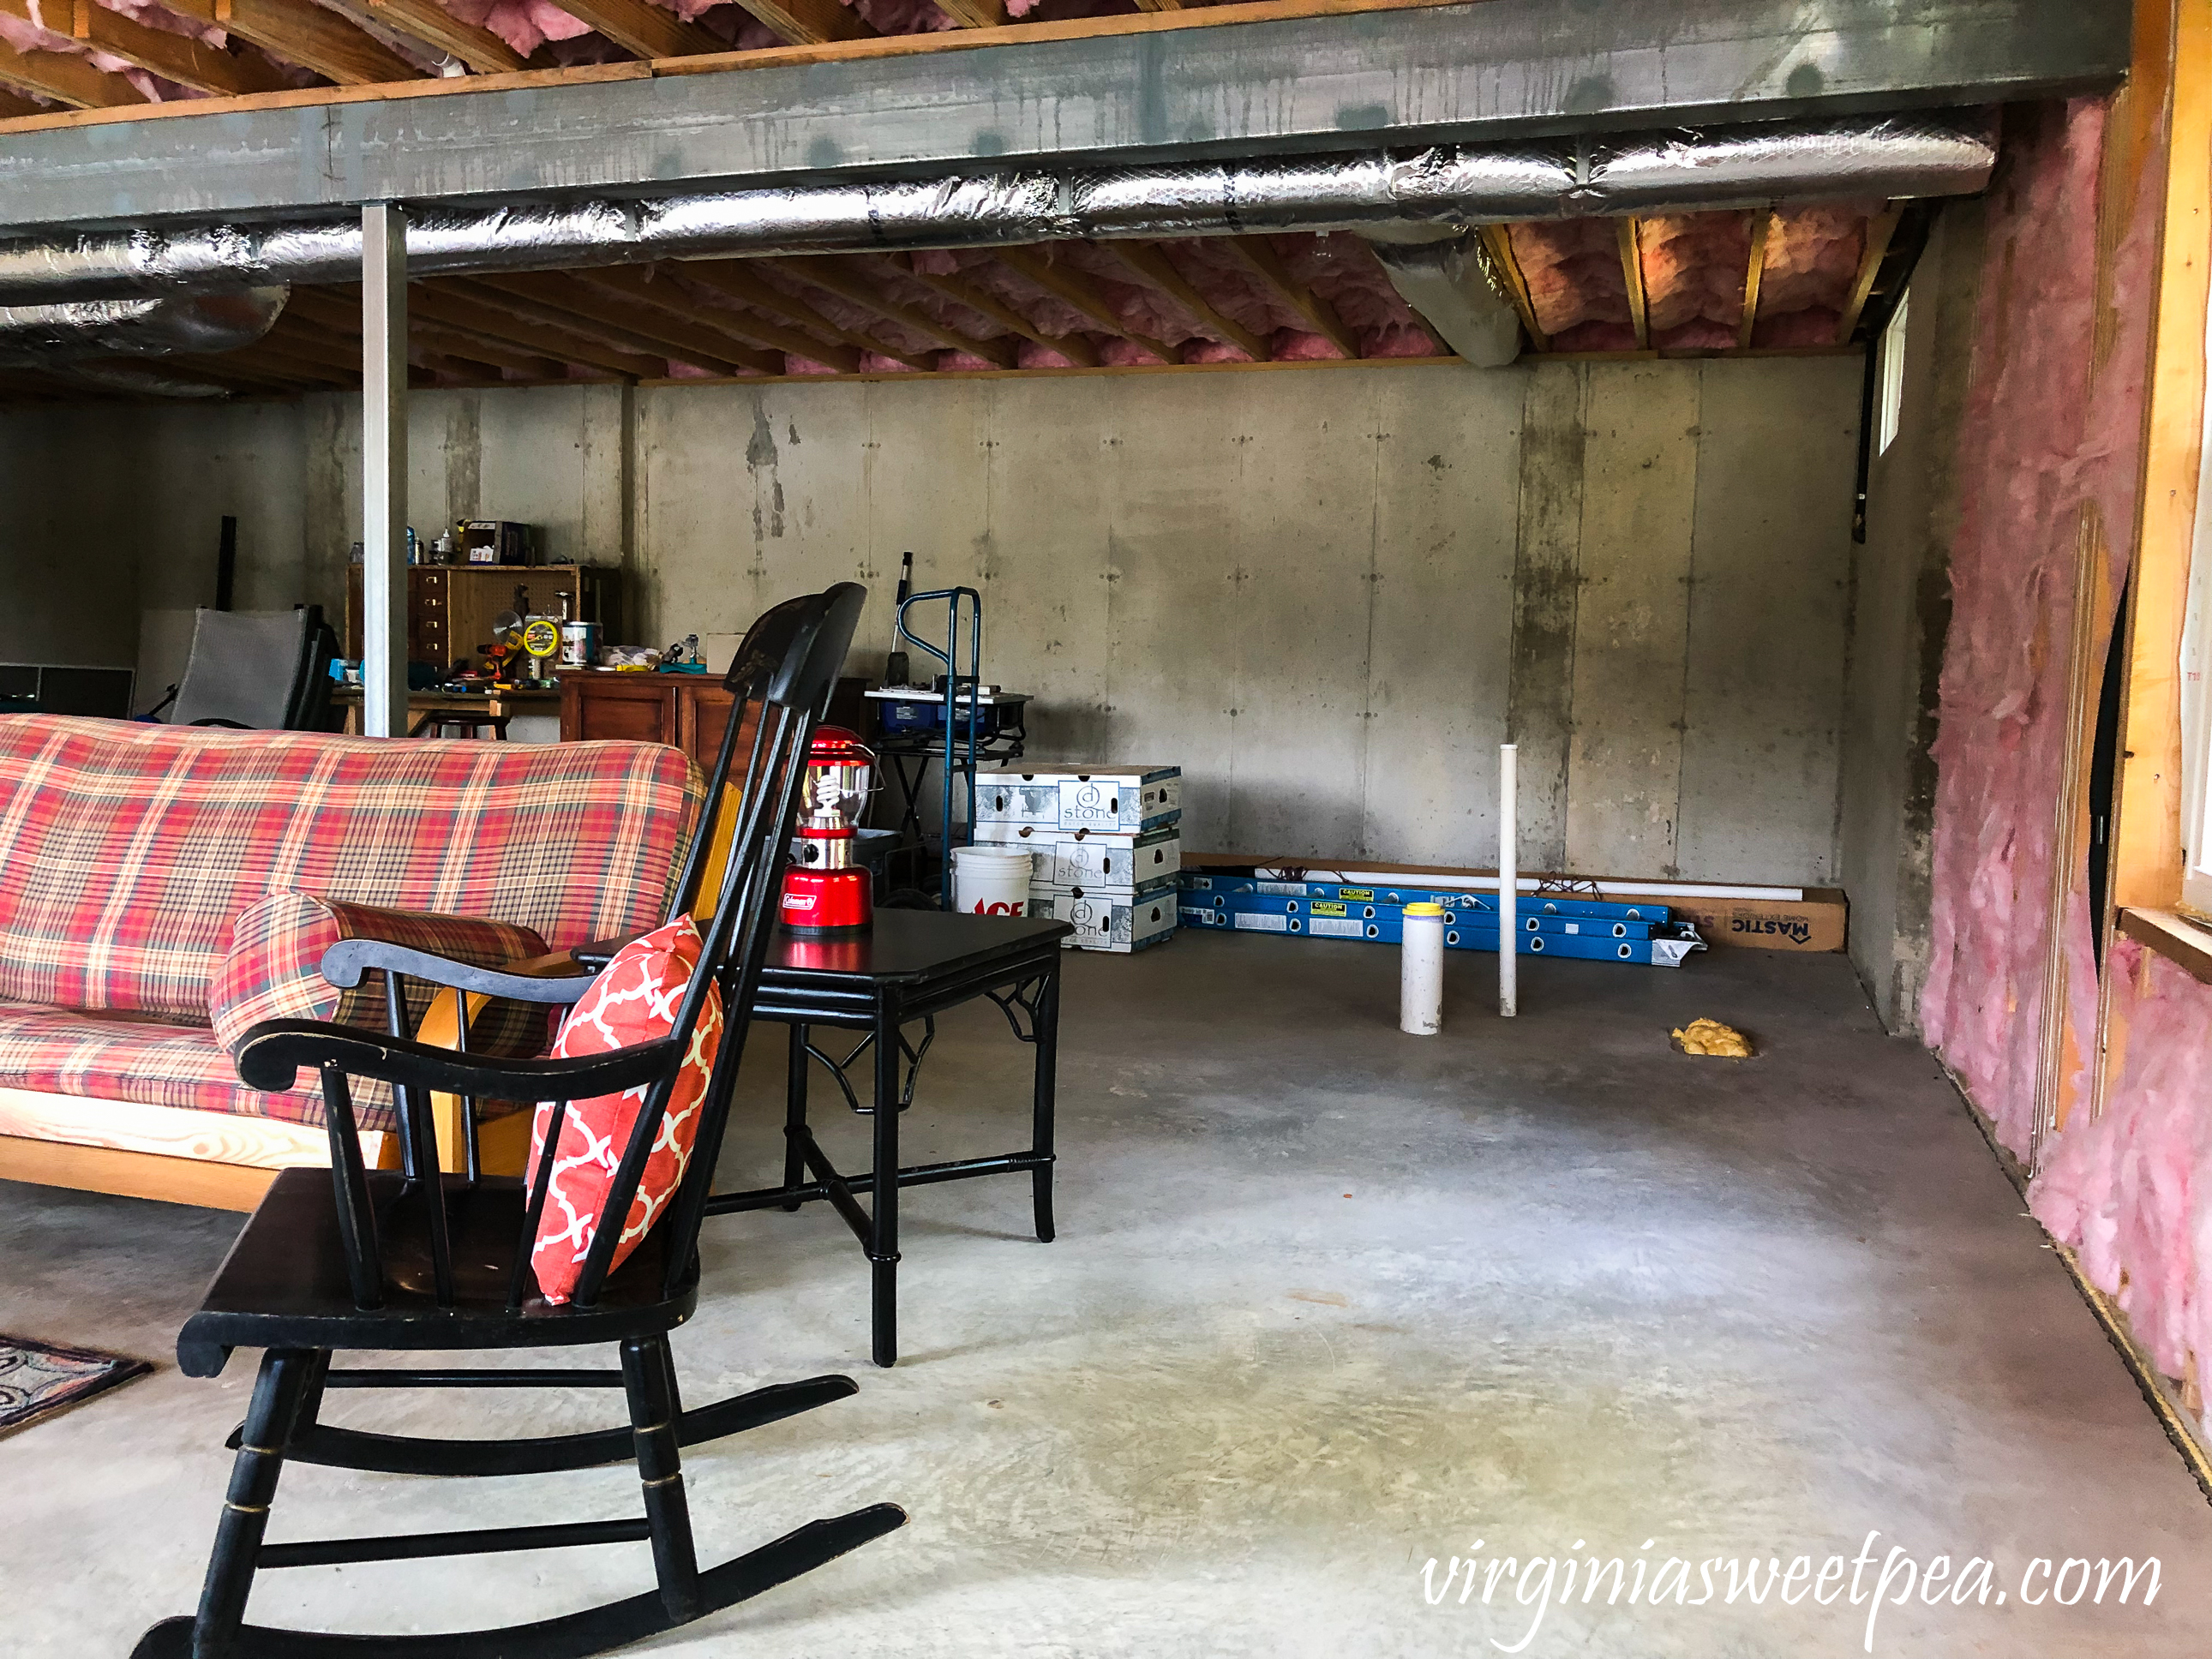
991,881
1421,970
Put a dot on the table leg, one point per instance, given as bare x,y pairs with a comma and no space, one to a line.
882,1247
794,1113
1040,1101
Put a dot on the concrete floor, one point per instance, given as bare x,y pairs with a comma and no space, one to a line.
1327,1301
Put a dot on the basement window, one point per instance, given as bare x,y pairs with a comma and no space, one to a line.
1889,382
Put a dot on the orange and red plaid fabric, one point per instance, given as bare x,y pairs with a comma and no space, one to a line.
274,971
127,851
152,1061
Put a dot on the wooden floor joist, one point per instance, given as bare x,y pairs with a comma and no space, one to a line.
1497,243
66,78
1753,274
1630,235
1076,348
1319,316
1879,230
431,25
1153,265
640,27
1074,288
301,32
585,309
741,280
176,57
840,276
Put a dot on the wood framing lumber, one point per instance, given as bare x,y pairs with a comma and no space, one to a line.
1631,238
176,57
840,276
1319,316
1753,273
645,316
1076,289
66,78
301,32
471,311
1879,230
724,278
1151,262
1497,242
741,281
1076,348
810,22
637,25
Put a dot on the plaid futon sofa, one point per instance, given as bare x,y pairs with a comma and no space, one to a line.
162,889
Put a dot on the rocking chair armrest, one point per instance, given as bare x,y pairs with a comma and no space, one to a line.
270,1055
346,963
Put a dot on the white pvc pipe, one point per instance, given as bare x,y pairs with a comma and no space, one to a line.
1421,970
1508,883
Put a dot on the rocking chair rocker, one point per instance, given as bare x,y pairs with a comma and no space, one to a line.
412,1261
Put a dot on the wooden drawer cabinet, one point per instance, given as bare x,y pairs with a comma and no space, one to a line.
451,607
686,711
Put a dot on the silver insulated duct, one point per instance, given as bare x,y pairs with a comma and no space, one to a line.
44,335
1389,194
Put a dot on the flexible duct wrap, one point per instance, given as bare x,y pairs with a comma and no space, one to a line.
1389,195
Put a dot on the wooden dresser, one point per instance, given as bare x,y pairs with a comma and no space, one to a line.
686,711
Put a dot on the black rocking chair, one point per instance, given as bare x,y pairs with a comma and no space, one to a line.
413,1260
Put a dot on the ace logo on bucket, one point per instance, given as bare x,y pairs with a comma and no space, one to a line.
991,881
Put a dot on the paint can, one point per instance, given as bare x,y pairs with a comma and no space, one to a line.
580,644
991,881
1421,971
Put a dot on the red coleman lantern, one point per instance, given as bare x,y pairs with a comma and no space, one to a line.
824,891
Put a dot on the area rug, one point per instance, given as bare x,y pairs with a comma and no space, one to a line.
37,1378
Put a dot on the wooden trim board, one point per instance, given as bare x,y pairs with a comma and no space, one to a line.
263,1143
194,1180
2177,938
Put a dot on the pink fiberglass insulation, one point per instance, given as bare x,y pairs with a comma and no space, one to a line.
2133,1190
847,315
1812,256
26,36
2042,442
1571,267
1694,266
525,25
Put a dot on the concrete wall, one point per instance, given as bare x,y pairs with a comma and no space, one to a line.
69,541
1328,594
1901,609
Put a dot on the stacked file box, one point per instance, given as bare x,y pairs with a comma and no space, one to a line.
1548,924
1108,841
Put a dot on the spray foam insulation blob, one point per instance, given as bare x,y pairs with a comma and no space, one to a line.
1710,1037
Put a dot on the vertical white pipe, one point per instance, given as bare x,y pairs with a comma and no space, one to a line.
1421,970
384,469
1509,882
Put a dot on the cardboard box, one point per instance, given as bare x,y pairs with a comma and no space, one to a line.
1109,921
1087,858
1121,799
1780,918
1818,921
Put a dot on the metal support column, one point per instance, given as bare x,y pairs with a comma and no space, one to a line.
384,469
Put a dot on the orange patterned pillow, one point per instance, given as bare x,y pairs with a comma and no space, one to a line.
636,999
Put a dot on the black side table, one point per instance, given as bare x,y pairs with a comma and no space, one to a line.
912,965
